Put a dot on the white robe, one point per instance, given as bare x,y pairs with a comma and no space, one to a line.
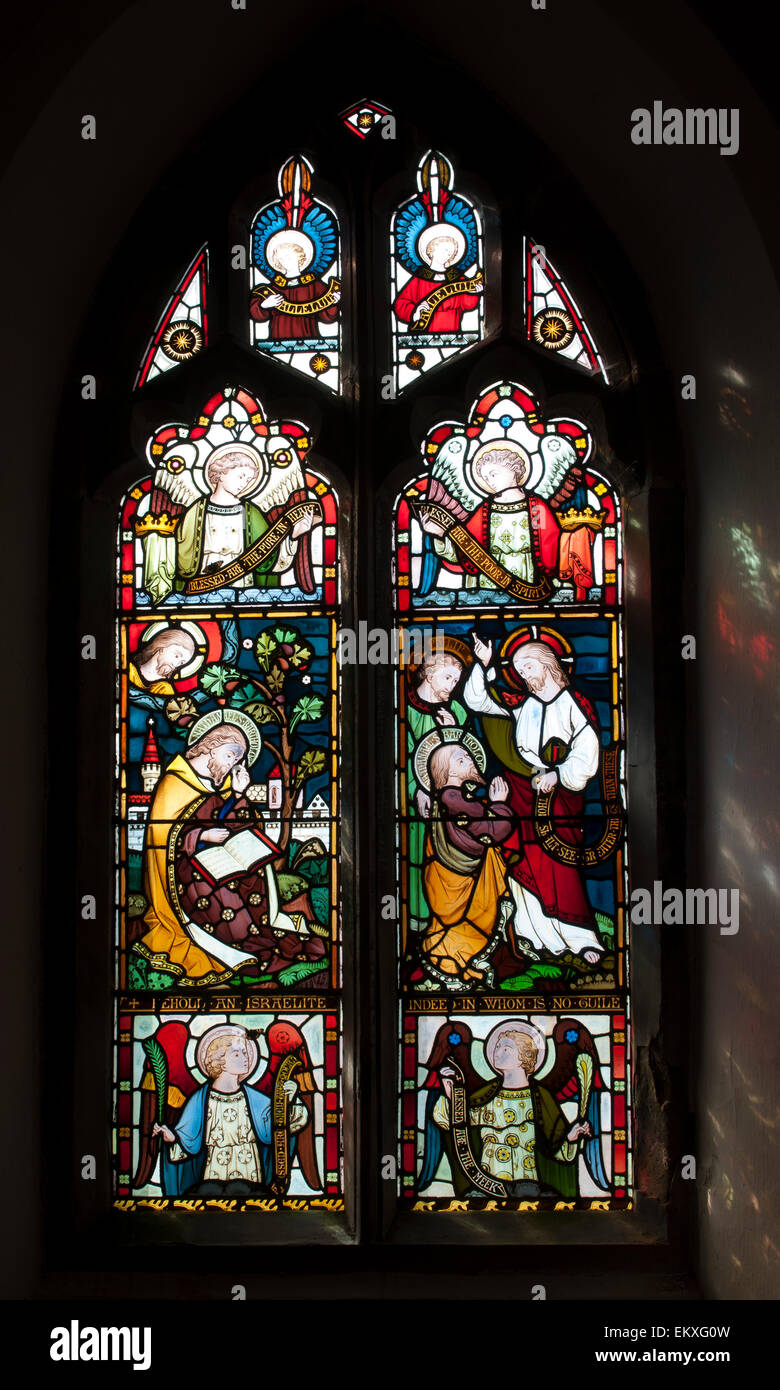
536,722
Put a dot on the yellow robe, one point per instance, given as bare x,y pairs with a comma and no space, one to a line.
167,944
464,909
156,687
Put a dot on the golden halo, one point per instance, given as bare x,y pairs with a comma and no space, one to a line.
450,646
252,456
517,1025
429,744
192,630
219,1030
547,636
290,236
473,467
229,716
438,229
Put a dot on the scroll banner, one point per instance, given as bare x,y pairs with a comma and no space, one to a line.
459,1128
443,292
492,570
311,306
280,1135
264,546
586,856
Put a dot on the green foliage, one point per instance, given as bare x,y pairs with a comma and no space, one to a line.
300,970
307,709
142,977
265,646
522,984
261,712
159,1065
605,924
290,885
215,678
310,764
320,898
243,693
136,905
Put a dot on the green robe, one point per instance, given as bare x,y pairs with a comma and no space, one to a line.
550,1127
420,720
171,561
189,551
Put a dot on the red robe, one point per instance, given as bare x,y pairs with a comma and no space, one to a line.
236,912
559,887
293,325
446,316
545,537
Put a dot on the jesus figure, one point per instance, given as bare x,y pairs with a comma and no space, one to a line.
553,741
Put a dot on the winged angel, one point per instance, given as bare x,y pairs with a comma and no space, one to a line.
509,1136
227,511
493,511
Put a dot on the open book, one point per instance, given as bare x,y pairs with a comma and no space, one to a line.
236,856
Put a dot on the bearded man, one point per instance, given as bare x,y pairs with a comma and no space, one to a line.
156,661
430,705
203,928
464,874
547,741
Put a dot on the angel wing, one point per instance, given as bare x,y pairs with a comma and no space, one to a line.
285,485
434,1140
448,487
576,1072
162,1100
561,473
449,471
178,488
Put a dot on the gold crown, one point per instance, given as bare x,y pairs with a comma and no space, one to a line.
161,525
571,520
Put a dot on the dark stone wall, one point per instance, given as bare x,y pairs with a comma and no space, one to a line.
695,228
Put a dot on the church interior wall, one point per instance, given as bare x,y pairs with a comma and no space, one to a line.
694,226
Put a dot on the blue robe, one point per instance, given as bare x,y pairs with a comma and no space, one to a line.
179,1177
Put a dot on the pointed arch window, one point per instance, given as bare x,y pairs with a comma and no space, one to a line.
252,923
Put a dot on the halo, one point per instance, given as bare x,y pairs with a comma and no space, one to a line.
219,1030
451,646
238,447
297,238
229,716
473,473
192,630
441,229
517,1025
432,741
559,645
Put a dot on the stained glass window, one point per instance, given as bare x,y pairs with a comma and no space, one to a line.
296,278
228,1068
510,817
437,278
513,1010
553,319
182,331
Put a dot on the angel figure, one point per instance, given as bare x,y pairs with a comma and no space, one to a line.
295,243
436,240
506,504
214,532
510,523
510,1135
222,1139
